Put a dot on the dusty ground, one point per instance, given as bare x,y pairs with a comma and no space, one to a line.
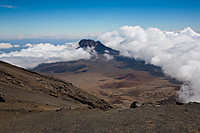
166,119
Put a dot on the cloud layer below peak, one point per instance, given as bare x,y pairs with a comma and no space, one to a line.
178,53
37,54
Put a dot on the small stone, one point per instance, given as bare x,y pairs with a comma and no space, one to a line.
59,109
17,113
8,78
157,105
179,103
1,98
72,108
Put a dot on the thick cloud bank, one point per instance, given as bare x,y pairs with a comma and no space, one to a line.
36,54
178,53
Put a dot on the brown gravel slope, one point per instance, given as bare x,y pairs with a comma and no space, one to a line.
18,84
166,118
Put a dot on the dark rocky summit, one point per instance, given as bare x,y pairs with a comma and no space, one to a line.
98,47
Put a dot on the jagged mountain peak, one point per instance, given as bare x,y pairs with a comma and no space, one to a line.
89,43
98,46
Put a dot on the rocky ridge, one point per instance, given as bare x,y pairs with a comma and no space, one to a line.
15,79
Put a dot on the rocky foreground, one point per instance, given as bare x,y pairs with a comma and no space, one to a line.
165,118
31,102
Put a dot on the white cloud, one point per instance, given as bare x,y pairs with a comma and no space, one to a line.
108,56
16,46
5,45
28,45
45,53
178,53
8,6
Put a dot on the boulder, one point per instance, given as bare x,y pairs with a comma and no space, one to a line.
136,104
1,98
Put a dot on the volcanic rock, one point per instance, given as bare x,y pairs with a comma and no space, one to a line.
136,104
1,98
98,47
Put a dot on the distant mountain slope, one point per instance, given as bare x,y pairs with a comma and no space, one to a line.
20,85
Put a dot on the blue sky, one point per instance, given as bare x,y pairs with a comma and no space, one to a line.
32,18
